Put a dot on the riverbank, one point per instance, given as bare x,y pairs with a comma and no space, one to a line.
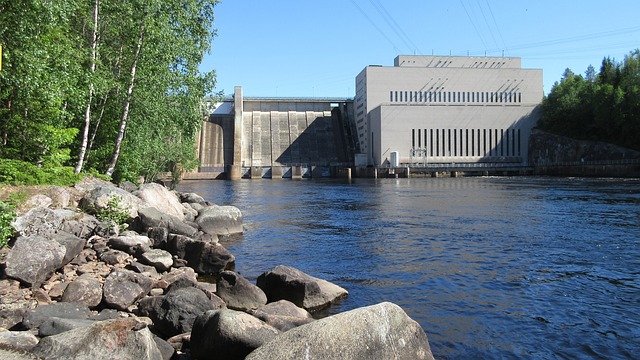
100,271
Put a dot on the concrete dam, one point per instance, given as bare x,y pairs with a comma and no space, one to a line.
276,138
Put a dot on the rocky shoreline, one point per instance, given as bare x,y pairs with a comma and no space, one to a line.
75,284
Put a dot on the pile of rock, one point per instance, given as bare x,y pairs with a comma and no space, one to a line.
73,286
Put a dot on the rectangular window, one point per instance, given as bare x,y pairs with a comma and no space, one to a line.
413,138
439,96
449,142
463,97
425,139
461,143
415,96
400,96
390,96
497,141
455,143
406,96
430,141
490,143
506,141
466,131
478,139
396,96
484,141
501,142
437,142
420,96
419,139
473,143
519,97
443,144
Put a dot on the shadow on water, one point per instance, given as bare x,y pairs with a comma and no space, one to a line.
520,267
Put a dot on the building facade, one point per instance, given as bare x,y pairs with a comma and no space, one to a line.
443,109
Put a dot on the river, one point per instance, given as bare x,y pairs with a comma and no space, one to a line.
491,267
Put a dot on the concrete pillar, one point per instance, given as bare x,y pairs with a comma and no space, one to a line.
408,172
296,172
454,174
276,172
235,172
256,172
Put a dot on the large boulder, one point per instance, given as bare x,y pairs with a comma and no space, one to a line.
56,325
73,245
220,220
38,221
160,259
109,339
151,217
17,341
228,334
32,259
159,197
34,318
86,290
306,291
238,293
103,197
175,313
128,242
204,257
123,288
283,315
382,331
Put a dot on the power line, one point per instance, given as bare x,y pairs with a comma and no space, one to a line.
474,24
375,25
394,25
504,45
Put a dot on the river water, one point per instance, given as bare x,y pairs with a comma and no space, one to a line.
492,268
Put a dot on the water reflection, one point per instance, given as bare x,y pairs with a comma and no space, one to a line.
490,267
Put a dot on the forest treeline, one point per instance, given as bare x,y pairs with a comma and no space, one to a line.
601,106
101,86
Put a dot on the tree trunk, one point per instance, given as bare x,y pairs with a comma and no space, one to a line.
125,112
87,112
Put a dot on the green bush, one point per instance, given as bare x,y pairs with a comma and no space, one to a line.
114,212
7,216
16,172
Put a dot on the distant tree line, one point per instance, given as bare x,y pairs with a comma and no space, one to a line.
103,86
601,106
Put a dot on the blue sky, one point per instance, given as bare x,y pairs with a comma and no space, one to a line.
303,48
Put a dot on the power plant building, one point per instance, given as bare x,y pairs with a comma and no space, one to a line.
443,109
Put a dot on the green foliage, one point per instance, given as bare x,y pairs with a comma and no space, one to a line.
114,212
17,172
48,84
7,216
603,106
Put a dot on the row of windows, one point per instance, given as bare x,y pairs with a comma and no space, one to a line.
466,142
454,97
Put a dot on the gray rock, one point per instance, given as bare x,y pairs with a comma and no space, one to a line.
55,325
209,258
12,315
33,259
128,186
189,213
151,218
283,315
192,198
17,340
38,221
238,293
127,242
160,259
159,197
81,225
308,292
165,348
159,235
179,308
203,257
34,318
220,220
109,339
229,334
113,257
38,200
123,288
145,270
98,199
86,290
73,245
174,275
382,331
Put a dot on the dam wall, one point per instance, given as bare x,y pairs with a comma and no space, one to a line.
275,137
